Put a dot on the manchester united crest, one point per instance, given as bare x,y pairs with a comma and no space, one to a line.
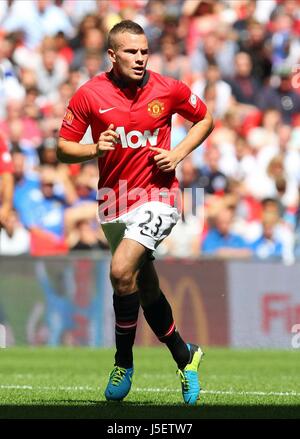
68,117
155,108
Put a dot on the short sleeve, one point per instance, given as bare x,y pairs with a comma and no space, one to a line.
186,103
77,117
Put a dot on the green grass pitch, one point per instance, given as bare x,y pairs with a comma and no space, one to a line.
69,383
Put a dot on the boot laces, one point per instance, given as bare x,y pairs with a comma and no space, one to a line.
184,380
117,375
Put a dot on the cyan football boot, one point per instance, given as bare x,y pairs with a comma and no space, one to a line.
189,375
119,383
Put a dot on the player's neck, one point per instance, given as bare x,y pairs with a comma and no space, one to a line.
125,82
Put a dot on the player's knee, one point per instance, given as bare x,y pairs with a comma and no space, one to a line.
122,279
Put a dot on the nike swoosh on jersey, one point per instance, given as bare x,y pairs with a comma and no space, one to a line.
104,111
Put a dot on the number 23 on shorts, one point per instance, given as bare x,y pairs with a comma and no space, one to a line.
153,230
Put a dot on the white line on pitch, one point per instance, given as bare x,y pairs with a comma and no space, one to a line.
223,392
147,389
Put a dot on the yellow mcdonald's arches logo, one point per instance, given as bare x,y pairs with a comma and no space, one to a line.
186,287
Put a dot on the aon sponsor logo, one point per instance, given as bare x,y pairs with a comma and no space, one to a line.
136,139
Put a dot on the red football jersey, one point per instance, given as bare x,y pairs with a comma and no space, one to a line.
142,119
5,158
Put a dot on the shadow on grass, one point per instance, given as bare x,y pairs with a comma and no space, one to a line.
133,411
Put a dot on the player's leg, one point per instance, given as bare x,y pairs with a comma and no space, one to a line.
127,257
158,314
151,224
126,261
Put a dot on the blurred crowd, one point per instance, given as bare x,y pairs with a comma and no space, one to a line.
242,57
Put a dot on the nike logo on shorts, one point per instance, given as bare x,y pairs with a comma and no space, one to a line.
104,111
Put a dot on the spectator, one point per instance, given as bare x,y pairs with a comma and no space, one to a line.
223,98
89,237
84,187
281,96
244,86
92,65
93,42
170,62
220,241
63,48
184,240
213,50
262,185
10,86
267,246
211,178
189,177
36,19
289,151
239,163
52,68
89,21
15,239
47,152
43,209
285,44
19,129
26,182
255,42
282,228
241,24
79,10
154,28
264,139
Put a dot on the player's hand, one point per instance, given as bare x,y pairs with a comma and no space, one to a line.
165,160
107,141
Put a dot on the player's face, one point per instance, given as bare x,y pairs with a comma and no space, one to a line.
130,56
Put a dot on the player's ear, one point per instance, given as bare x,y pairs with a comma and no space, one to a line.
111,55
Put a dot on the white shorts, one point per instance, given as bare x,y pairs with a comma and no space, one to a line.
148,224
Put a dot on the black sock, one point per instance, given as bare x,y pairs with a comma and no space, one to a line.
160,319
126,313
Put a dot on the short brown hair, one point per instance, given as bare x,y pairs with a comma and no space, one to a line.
123,26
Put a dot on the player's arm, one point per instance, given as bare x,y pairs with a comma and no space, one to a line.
168,160
69,151
7,197
196,135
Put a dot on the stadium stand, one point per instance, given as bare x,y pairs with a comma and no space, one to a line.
241,57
